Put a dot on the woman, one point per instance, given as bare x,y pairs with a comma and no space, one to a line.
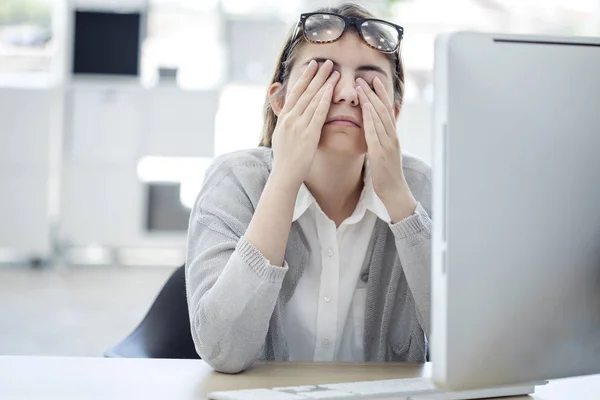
315,246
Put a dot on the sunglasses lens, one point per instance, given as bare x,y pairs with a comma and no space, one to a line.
380,35
323,28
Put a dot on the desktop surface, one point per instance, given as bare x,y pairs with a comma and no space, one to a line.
28,377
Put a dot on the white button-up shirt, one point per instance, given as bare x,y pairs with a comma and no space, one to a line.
324,319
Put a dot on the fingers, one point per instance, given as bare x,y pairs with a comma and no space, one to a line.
320,114
314,103
379,127
300,86
313,88
371,137
372,119
383,95
366,95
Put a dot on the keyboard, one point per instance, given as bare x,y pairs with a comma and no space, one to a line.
410,389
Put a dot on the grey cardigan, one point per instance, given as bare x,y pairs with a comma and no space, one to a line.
236,297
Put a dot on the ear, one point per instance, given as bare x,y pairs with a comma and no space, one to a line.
396,110
276,97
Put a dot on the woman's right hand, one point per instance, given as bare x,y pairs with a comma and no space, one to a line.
298,130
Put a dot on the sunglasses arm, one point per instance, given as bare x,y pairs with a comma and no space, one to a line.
296,31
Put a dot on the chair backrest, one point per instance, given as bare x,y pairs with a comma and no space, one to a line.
165,330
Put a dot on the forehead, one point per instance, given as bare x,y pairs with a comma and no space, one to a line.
349,51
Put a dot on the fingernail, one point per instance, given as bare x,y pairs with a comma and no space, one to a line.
335,74
328,62
360,81
359,89
312,63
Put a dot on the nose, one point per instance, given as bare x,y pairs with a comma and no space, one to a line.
345,90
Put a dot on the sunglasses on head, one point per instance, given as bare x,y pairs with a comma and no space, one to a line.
323,27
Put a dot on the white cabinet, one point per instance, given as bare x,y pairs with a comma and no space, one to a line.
105,123
111,127
94,185
25,171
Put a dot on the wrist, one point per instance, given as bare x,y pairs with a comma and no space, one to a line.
283,182
400,204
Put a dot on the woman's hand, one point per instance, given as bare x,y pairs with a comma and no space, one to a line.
299,124
384,152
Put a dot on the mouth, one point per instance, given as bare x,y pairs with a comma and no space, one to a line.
343,121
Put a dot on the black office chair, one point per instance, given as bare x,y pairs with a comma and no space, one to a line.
165,330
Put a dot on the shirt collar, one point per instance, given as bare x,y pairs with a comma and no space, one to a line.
373,202
368,201
303,201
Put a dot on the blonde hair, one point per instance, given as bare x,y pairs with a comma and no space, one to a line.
287,57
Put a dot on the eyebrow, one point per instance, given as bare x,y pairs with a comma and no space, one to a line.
367,67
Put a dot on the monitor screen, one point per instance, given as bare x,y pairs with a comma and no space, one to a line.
106,43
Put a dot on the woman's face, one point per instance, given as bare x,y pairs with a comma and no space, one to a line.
353,59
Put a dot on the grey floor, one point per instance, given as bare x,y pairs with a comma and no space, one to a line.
73,311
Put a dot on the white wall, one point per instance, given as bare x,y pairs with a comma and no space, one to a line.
414,129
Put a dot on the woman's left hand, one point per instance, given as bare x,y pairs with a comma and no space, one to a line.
385,155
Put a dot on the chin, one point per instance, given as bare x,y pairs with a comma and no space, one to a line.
343,141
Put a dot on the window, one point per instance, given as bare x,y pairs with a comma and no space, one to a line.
238,123
288,8
423,20
25,39
183,44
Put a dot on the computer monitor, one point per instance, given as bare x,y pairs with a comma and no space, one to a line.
516,209
107,43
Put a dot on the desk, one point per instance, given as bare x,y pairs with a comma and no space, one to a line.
46,378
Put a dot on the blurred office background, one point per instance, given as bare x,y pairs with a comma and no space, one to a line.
110,112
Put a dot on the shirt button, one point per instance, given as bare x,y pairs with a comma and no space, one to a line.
325,342
327,299
330,252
